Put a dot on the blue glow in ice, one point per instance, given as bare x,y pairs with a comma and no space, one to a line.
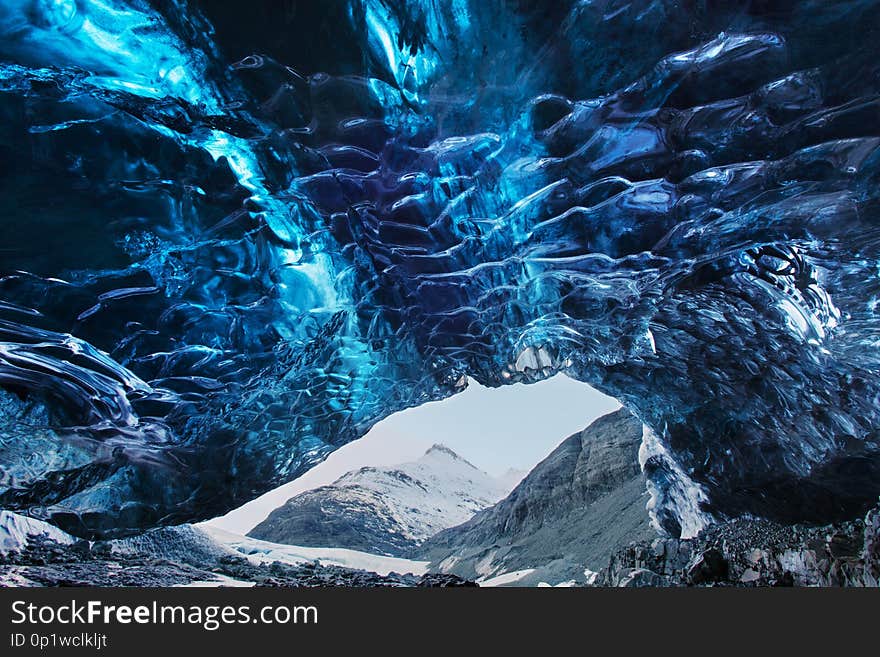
226,255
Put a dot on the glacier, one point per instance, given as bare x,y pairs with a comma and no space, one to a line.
235,239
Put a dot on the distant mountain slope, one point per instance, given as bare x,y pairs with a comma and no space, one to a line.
580,504
385,510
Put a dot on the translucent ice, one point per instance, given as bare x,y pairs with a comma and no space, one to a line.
234,240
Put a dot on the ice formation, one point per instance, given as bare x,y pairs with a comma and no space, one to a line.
235,238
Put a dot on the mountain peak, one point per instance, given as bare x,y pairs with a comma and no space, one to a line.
444,452
385,510
437,448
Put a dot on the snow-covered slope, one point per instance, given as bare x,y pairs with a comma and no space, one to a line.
258,552
386,510
17,530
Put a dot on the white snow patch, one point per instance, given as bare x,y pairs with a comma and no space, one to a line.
486,566
684,494
259,552
16,530
590,576
506,578
222,580
562,585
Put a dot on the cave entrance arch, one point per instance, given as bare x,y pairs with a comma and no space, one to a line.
512,427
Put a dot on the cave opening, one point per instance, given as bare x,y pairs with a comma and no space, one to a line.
504,432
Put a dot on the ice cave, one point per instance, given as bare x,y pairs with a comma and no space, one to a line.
227,252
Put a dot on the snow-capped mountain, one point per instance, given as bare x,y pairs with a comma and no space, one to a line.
389,510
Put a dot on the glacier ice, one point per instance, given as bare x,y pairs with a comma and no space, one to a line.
236,239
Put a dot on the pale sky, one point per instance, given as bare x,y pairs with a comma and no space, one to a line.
496,429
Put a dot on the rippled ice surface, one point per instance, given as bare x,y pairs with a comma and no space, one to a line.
235,237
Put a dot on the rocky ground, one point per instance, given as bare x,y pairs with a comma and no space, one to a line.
748,552
47,563
743,552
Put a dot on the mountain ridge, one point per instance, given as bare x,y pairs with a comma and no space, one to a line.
385,509
561,523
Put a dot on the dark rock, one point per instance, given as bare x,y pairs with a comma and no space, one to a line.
443,580
46,563
843,546
574,509
710,566
752,552
786,579
639,578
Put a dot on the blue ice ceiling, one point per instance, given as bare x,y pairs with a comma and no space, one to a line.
236,235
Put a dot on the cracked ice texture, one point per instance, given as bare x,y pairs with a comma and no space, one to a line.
236,239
